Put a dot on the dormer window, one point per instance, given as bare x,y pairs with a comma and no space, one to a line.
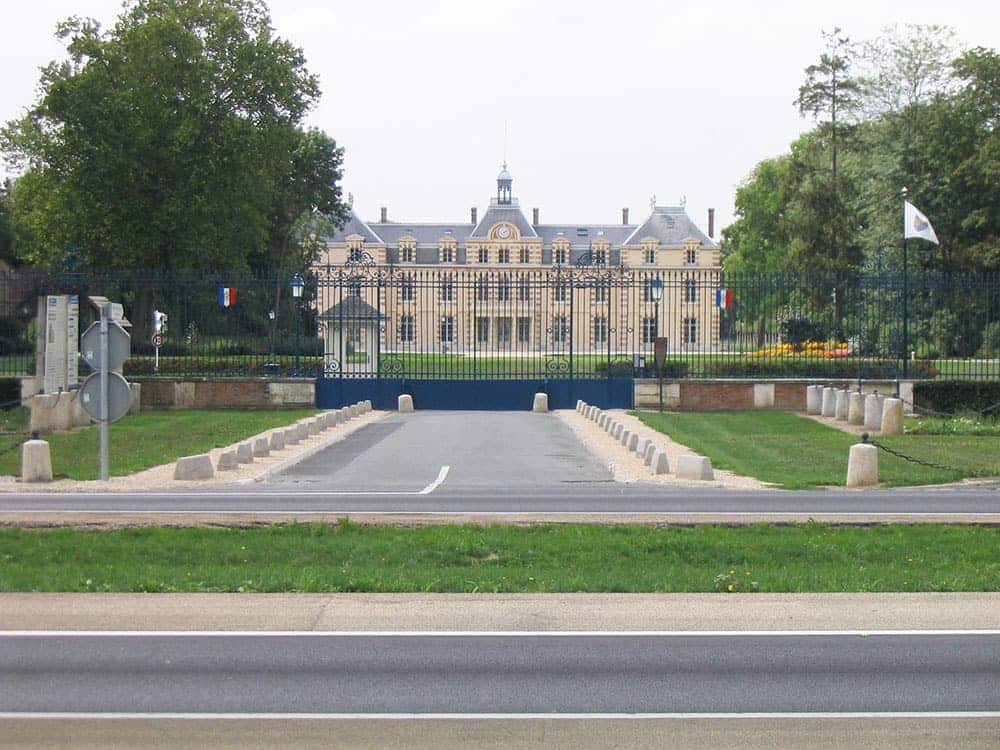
600,257
559,256
406,254
484,255
503,255
447,255
354,255
649,256
691,257
525,256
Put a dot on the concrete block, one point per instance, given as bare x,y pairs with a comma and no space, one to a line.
136,390
892,416
695,467
294,393
367,404
763,396
603,421
626,434
278,440
862,465
648,456
579,406
643,446
843,405
404,402
829,408
291,435
873,411
36,461
194,467
261,447
617,432
303,430
228,461
244,453
315,426
659,464
856,408
633,442
184,395
541,402
814,399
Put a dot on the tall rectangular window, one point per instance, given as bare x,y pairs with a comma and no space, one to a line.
559,256
484,255
407,329
600,257
649,256
482,290
560,291
525,257
690,330
523,330
447,328
691,257
601,293
504,330
482,330
503,290
600,330
407,289
690,290
354,255
447,255
447,289
559,329
647,291
503,255
649,329
524,290
406,254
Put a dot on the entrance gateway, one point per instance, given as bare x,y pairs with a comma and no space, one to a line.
484,340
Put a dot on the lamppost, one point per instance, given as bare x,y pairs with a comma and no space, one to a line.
297,285
659,342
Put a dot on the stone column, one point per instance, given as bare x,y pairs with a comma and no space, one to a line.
873,411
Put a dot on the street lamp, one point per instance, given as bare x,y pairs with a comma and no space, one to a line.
297,285
659,342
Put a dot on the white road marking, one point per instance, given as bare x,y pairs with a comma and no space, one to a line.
478,633
7,715
442,475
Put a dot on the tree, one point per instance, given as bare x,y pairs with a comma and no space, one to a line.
6,233
154,144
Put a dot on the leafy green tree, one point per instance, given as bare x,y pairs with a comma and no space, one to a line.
153,144
6,233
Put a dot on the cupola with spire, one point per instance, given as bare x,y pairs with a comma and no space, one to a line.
504,181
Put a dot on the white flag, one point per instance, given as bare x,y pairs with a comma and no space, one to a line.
916,224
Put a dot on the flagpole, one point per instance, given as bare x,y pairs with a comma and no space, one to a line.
906,299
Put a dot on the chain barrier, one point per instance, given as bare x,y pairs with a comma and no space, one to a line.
865,438
923,410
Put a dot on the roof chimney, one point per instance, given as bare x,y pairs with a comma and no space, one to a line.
474,214
625,216
711,223
385,215
534,216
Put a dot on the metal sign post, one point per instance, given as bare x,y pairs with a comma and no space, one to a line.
105,314
660,354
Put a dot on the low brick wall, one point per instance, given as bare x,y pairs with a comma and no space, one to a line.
226,393
734,395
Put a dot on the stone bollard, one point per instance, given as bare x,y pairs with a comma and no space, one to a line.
642,446
404,403
856,409
368,405
291,436
843,405
626,435
315,426
633,442
862,465
261,447
36,461
892,416
228,461
278,440
602,420
695,467
814,399
540,403
579,406
244,453
659,464
619,429
873,411
194,467
829,408
303,430
647,457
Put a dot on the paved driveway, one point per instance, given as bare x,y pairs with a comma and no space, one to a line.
483,450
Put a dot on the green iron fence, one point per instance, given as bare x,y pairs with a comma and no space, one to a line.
580,321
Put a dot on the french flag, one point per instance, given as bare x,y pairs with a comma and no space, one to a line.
723,298
227,296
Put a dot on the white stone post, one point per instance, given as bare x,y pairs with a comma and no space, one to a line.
873,411
856,408
829,402
892,416
843,405
862,465
36,461
814,399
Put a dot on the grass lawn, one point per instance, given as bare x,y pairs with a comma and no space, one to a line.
547,558
798,453
148,439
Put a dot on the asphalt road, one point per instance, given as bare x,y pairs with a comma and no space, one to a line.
603,674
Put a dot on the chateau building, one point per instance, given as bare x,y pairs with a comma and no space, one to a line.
500,282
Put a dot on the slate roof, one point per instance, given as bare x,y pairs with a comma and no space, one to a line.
425,234
613,233
509,213
355,225
670,225
352,308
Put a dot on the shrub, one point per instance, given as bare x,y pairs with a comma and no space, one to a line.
956,396
991,340
614,369
799,330
10,390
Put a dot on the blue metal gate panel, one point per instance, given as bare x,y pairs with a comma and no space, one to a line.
486,395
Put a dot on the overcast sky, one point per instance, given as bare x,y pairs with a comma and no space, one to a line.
606,103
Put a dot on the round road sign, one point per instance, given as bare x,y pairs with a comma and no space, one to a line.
119,396
157,340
